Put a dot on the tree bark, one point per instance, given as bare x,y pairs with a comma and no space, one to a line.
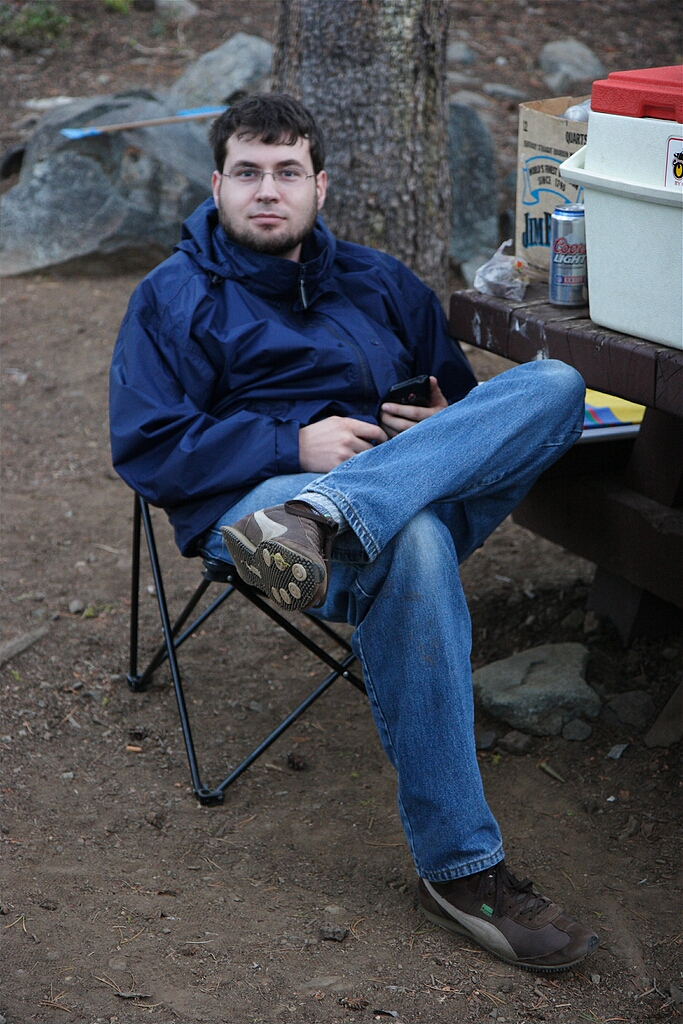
373,74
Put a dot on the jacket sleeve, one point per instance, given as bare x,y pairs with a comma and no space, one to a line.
440,354
165,442
425,326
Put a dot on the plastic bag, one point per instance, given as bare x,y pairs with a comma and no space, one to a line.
505,276
579,112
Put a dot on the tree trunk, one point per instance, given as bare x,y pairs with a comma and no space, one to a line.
373,74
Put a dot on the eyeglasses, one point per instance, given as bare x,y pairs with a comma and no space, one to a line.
287,177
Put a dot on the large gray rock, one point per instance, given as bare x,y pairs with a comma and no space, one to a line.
177,10
668,729
459,52
577,730
567,61
104,202
635,708
116,202
470,98
460,80
501,91
516,742
241,63
473,184
538,691
485,739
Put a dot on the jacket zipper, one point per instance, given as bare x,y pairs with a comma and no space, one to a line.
302,288
366,378
367,385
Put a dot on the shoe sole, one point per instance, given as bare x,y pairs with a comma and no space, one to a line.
286,577
454,926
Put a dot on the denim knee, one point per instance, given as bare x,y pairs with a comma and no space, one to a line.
562,381
557,393
419,554
423,542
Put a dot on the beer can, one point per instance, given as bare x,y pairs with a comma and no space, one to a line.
568,281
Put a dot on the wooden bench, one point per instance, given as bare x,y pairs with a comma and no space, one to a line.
617,503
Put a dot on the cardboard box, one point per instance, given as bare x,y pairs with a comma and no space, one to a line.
545,140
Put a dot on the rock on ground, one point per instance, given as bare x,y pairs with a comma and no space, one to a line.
117,201
470,98
577,730
634,708
502,91
333,932
11,648
117,198
668,729
178,10
459,52
516,742
566,61
241,63
538,691
485,739
473,183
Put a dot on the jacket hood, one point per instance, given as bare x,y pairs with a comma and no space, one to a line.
204,240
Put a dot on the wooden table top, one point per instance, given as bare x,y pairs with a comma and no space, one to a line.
617,364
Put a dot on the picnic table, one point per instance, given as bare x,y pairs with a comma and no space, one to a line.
618,503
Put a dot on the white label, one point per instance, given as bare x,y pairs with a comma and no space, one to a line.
673,176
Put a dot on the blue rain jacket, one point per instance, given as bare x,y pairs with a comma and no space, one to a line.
224,353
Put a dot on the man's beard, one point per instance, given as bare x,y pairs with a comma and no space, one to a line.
271,245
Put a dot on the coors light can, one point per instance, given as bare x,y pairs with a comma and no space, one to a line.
568,283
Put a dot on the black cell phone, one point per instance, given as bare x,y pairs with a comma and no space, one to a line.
415,391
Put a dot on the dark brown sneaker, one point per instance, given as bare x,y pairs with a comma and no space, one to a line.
284,551
508,918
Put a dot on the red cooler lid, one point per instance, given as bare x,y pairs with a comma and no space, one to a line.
652,92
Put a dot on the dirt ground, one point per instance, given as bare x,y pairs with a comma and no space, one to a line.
114,881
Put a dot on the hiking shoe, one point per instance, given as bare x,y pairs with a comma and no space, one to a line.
284,551
508,918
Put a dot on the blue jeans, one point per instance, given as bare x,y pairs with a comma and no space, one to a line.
418,505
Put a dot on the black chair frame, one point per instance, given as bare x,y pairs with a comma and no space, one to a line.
174,636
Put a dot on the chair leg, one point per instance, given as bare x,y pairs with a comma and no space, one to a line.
161,654
205,795
139,681
283,726
133,677
305,641
328,631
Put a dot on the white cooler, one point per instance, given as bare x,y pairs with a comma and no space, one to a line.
631,171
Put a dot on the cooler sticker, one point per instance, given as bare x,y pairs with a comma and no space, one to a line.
673,177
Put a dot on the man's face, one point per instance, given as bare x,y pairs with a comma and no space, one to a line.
265,215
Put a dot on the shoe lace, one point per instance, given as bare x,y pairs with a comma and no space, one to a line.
522,895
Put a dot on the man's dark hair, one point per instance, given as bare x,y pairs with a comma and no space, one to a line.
274,118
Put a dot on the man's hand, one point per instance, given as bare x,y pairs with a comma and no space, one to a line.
327,443
396,418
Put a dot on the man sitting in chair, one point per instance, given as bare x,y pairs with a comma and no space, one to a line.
248,399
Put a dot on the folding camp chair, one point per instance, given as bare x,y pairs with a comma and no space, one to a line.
221,572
